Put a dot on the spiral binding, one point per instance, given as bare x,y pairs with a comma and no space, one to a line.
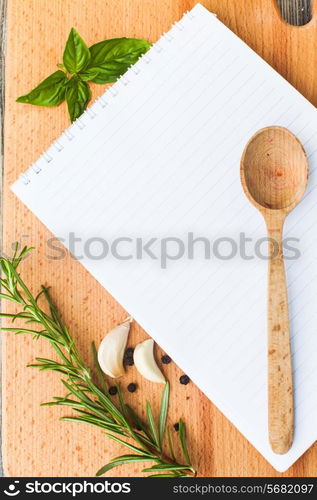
68,134
58,146
47,156
103,103
25,178
80,123
36,168
104,100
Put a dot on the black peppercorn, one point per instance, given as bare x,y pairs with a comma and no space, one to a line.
132,387
166,359
176,427
128,356
184,379
113,390
129,352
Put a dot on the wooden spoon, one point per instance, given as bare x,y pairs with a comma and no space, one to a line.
274,175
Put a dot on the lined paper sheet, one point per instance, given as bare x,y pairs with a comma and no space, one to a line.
158,157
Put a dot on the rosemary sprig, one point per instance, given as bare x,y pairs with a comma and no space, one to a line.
88,398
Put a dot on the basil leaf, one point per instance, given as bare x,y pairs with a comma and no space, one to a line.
76,54
50,92
111,58
78,95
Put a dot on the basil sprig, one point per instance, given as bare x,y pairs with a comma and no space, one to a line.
103,62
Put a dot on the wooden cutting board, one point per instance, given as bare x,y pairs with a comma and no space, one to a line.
35,442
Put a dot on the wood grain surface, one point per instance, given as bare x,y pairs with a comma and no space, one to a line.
35,442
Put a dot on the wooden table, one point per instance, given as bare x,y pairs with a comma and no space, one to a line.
35,442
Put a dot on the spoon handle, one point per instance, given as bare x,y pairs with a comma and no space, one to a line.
280,385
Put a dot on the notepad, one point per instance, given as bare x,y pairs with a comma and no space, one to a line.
157,157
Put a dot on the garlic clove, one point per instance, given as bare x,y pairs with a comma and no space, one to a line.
111,350
145,363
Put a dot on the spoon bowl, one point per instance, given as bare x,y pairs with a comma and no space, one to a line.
274,172
274,169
